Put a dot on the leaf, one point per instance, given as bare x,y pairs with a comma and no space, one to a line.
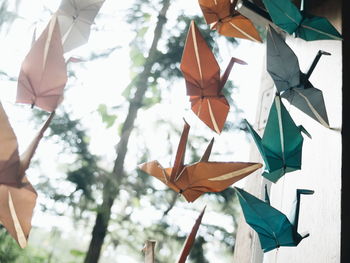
142,31
107,118
77,253
136,56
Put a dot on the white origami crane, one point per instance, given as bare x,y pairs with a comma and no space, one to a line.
75,18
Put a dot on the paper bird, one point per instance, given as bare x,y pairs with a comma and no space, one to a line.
190,239
272,226
283,66
203,82
196,179
308,27
281,144
150,244
223,17
43,74
17,195
75,18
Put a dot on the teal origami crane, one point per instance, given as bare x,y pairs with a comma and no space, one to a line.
308,27
291,83
281,144
272,226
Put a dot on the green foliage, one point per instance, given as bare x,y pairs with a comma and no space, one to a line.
85,173
107,118
77,253
197,251
7,16
10,252
83,178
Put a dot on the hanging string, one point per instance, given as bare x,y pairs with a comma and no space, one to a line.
282,193
276,254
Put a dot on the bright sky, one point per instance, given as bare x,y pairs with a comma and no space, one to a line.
102,81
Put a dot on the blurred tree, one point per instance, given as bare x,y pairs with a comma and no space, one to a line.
8,14
96,188
112,185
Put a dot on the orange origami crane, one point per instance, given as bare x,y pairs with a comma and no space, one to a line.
196,179
17,195
223,17
43,74
203,82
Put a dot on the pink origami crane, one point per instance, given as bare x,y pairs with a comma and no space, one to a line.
43,74
17,195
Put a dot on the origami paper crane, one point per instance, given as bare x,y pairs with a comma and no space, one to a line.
43,74
190,239
150,244
223,17
272,226
17,196
308,27
281,144
75,18
203,82
283,66
196,179
255,13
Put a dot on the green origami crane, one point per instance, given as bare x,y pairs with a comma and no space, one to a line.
291,83
273,227
281,144
308,27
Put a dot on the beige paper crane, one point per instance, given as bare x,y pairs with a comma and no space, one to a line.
17,195
43,74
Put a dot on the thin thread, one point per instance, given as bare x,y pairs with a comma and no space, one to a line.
276,255
282,194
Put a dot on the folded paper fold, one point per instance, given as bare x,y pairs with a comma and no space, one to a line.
308,27
203,82
224,18
193,180
272,226
281,145
17,195
291,83
75,18
43,73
